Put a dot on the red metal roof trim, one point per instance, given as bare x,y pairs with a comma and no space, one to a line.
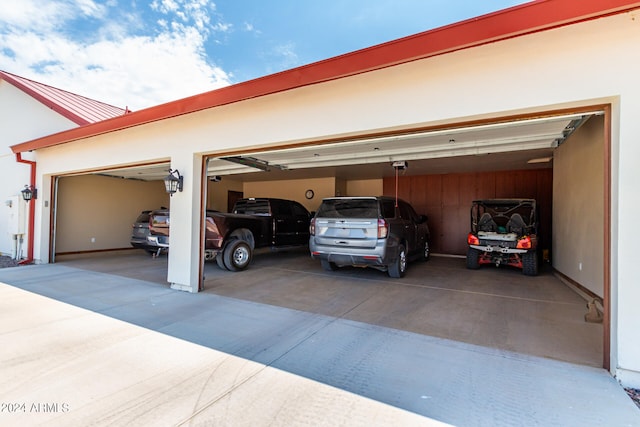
79,109
508,23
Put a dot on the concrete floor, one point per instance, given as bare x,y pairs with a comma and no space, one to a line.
118,350
498,308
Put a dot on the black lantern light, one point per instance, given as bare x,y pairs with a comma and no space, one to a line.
173,182
29,192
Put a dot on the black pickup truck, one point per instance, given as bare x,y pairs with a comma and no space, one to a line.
231,238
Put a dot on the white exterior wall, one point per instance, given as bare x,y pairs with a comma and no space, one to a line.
581,65
22,118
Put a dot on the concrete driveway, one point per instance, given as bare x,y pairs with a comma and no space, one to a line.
119,350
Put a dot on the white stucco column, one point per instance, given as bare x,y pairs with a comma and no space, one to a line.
625,236
43,206
184,259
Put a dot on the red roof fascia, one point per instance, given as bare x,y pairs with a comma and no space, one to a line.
508,23
79,109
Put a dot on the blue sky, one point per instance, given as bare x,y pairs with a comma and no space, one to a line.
142,53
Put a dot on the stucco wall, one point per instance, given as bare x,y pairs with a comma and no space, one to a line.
322,187
217,193
96,213
364,187
294,190
578,206
21,118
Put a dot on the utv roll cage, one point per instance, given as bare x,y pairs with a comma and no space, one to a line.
504,216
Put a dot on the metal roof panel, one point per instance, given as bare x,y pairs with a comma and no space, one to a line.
79,109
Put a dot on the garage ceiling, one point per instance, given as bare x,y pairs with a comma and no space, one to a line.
498,146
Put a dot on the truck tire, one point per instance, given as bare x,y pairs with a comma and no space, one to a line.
530,263
220,260
328,265
399,265
237,255
472,259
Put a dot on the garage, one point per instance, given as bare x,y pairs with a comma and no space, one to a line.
517,163
115,197
474,118
495,307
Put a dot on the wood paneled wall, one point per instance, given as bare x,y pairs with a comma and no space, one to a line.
446,200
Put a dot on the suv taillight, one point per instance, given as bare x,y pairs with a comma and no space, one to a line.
383,229
524,243
472,239
312,227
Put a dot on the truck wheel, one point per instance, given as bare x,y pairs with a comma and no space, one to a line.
327,265
399,266
220,261
530,263
472,259
237,255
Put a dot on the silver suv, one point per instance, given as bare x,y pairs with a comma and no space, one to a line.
378,232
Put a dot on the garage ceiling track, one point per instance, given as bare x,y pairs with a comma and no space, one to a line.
532,141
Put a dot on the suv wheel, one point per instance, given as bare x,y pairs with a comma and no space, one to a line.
472,259
530,263
237,255
427,252
327,265
399,266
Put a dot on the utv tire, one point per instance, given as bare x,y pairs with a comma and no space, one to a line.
237,255
472,259
399,266
530,263
327,265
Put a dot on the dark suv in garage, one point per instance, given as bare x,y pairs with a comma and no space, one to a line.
379,232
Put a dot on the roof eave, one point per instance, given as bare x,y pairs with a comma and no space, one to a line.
516,21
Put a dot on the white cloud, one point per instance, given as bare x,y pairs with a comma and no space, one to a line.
119,63
283,56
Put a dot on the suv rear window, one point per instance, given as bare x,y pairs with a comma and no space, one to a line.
143,217
348,208
160,219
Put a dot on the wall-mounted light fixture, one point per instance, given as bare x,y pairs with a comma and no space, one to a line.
173,182
29,192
